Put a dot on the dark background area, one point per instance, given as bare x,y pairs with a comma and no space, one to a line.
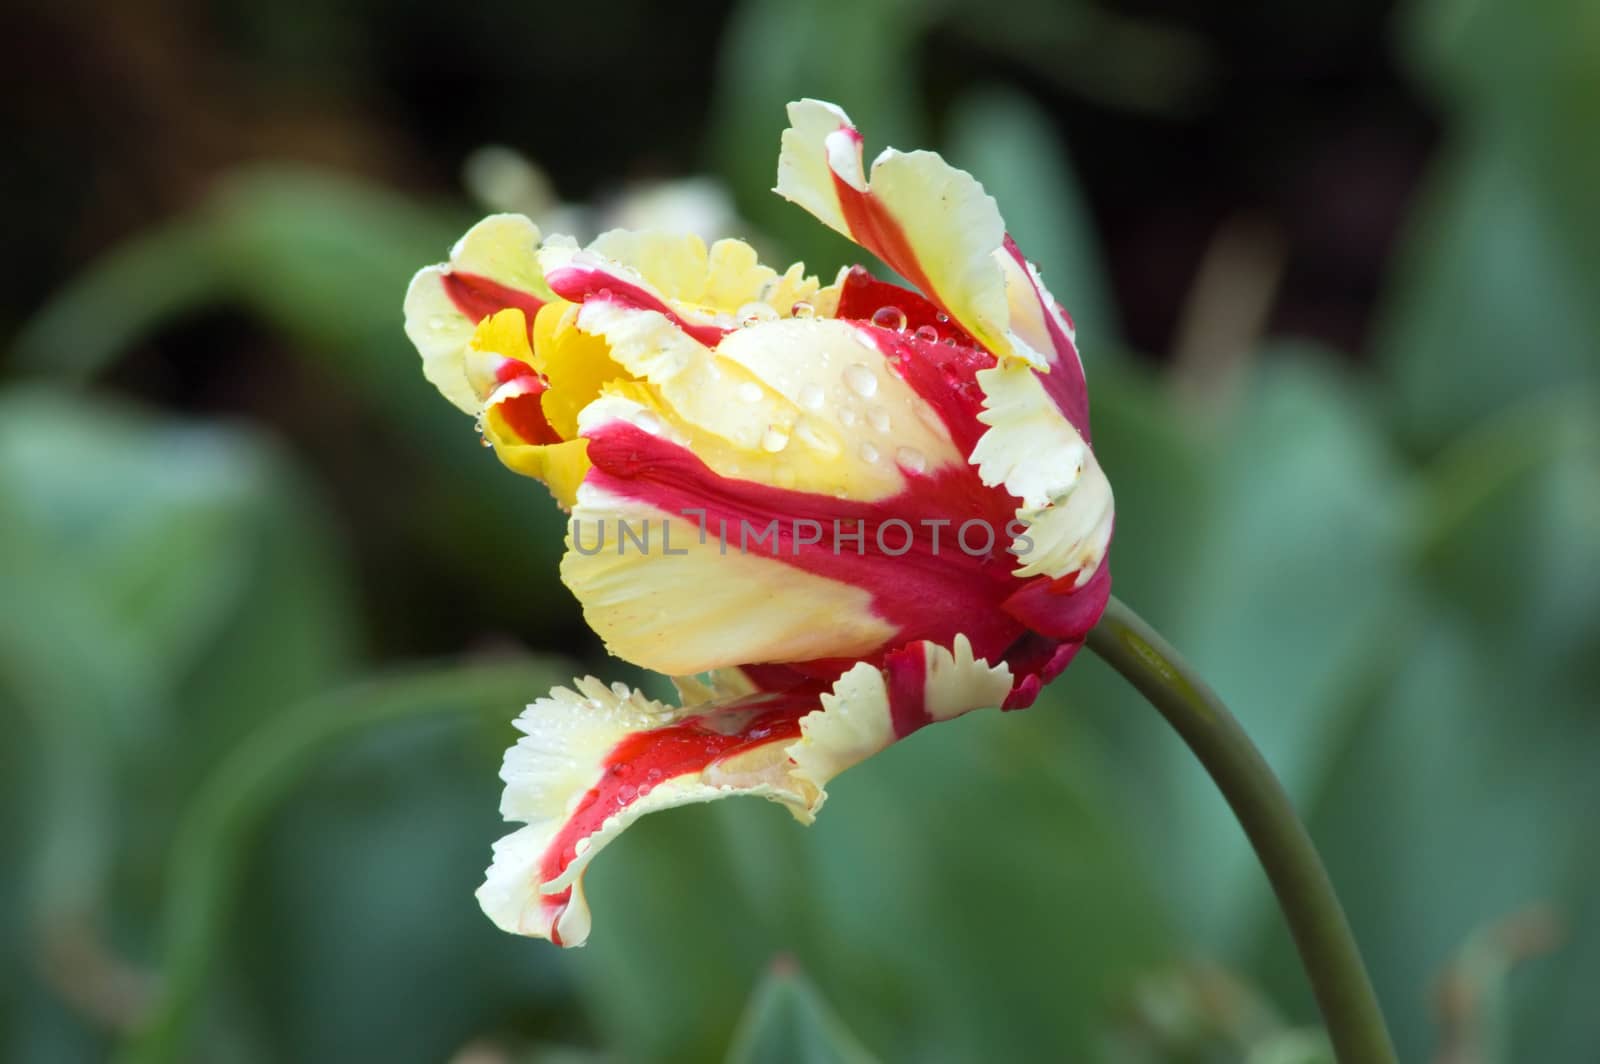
269,606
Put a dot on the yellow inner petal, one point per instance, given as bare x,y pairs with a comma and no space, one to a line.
576,364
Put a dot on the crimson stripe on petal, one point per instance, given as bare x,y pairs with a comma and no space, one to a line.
906,673
1065,382
477,297
644,759
931,591
583,284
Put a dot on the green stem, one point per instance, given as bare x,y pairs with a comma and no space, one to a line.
1316,920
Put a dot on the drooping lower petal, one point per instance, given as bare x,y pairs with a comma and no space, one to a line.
594,759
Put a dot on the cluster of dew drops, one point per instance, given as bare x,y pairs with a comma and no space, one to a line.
859,378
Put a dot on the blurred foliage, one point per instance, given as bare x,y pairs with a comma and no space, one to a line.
242,833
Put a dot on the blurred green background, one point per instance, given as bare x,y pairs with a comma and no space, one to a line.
268,608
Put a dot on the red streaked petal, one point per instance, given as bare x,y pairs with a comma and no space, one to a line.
933,589
590,282
594,759
862,295
524,414
477,297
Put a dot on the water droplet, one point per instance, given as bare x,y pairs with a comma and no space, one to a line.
750,392
912,459
868,452
803,310
477,425
437,324
847,416
755,313
861,380
878,418
926,333
775,439
941,317
483,441
890,318
949,341
812,397
626,793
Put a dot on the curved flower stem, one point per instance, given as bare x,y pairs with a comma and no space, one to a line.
1316,920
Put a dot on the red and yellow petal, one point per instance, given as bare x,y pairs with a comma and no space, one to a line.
595,759
667,591
493,267
924,563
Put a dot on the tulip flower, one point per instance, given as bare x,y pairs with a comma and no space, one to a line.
833,513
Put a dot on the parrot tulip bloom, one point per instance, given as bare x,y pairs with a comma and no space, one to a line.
833,513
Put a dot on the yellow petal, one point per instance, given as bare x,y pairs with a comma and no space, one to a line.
662,599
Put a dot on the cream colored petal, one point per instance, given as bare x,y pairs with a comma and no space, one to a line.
1034,452
856,718
563,755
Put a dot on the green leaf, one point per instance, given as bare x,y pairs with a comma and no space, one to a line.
1279,545
223,819
787,1022
1494,298
1465,795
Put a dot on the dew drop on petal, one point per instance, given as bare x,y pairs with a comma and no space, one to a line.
878,418
912,459
847,416
803,310
483,441
860,379
750,392
626,793
775,439
437,324
941,317
755,313
926,333
889,318
812,397
868,452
